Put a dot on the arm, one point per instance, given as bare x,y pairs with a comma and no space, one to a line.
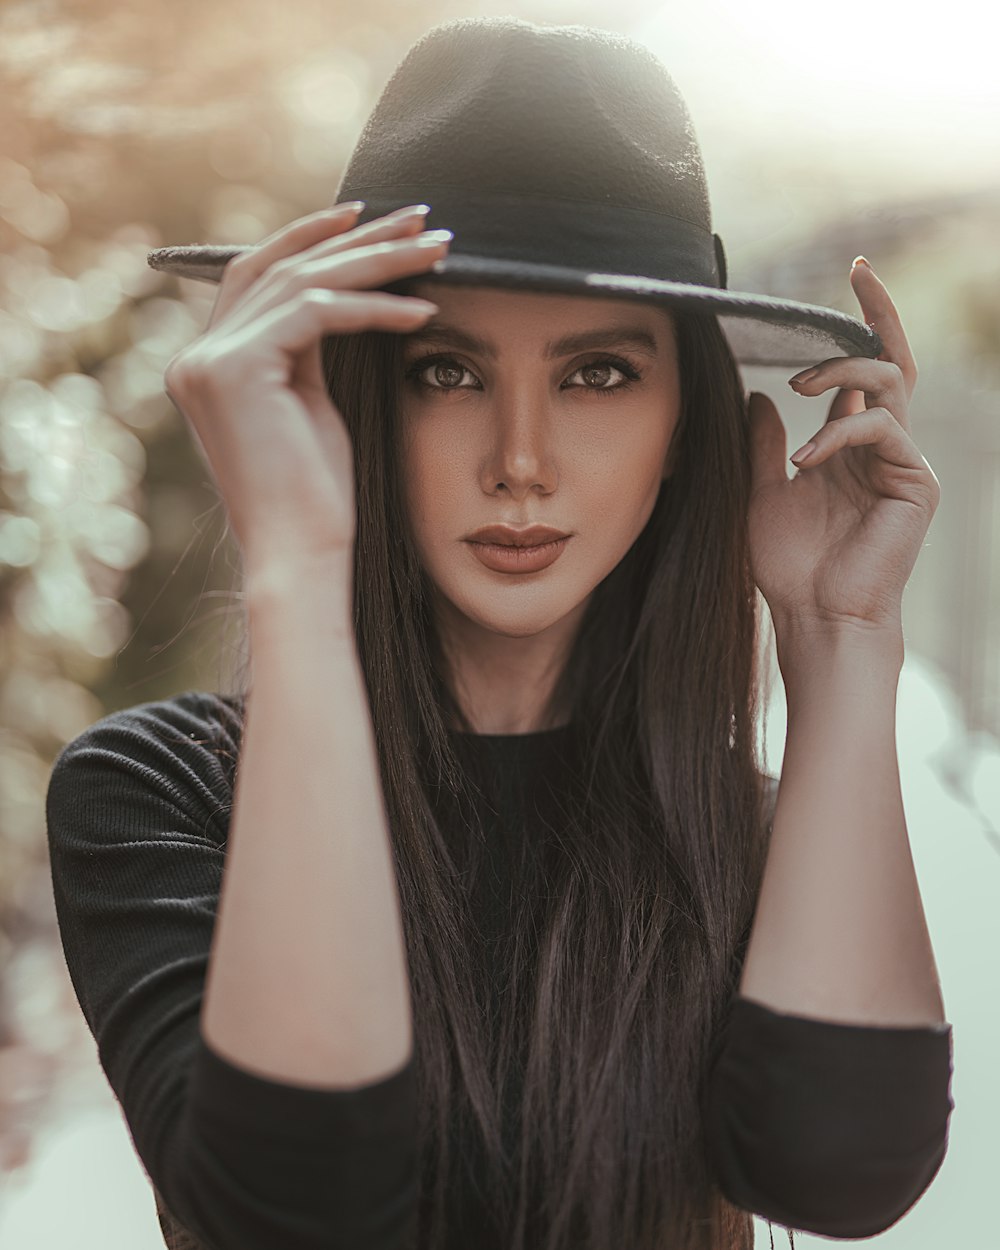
308,978
829,1092
140,835
839,932
137,819
829,1098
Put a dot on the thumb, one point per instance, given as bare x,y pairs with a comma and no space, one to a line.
768,443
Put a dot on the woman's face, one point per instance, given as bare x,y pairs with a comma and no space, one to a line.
521,428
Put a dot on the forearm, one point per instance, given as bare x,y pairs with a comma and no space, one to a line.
308,976
839,932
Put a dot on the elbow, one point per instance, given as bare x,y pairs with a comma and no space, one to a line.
212,1211
245,1163
831,1129
810,1190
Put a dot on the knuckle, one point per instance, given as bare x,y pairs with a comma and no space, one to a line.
237,272
895,371
317,297
197,371
238,263
182,373
282,268
931,492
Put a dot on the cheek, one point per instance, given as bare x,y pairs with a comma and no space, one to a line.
430,488
621,475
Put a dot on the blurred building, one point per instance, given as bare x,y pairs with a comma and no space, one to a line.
939,260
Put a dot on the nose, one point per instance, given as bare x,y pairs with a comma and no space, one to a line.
522,456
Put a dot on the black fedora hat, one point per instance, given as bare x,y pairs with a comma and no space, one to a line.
564,159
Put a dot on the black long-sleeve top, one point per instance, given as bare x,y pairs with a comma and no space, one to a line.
830,1128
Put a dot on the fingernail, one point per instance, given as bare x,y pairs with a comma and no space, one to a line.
804,376
434,238
354,206
803,453
860,260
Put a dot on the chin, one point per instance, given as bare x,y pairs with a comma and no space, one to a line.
518,611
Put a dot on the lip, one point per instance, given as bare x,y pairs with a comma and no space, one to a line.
515,535
506,558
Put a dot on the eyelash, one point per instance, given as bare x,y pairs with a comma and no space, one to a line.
424,362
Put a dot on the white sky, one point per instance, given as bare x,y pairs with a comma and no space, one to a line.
908,96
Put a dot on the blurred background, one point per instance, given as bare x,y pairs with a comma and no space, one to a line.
826,132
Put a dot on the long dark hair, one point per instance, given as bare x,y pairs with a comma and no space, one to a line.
617,981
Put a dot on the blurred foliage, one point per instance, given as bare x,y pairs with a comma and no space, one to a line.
126,127
129,127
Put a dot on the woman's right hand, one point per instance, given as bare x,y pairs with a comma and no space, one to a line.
252,388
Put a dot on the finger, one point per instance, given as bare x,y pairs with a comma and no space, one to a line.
400,224
272,286
880,381
299,323
243,270
845,403
311,235
875,427
880,313
252,270
370,266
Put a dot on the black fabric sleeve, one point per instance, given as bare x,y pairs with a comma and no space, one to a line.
829,1128
137,818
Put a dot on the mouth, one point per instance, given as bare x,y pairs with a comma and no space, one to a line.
509,557
531,536
512,546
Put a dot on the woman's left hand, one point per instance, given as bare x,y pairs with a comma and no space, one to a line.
836,543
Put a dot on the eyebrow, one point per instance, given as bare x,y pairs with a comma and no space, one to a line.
635,337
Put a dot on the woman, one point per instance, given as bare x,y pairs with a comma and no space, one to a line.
463,922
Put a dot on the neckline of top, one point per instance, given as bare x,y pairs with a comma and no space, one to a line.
532,735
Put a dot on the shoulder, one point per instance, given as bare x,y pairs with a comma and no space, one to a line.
180,752
193,717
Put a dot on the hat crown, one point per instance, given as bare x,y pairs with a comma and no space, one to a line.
564,159
505,105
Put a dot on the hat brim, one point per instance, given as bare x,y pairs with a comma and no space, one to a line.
760,329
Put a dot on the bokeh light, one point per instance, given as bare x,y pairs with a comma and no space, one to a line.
826,132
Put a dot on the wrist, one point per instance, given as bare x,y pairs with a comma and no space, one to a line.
811,653
314,589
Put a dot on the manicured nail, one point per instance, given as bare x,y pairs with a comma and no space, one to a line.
805,376
434,238
354,206
860,260
803,453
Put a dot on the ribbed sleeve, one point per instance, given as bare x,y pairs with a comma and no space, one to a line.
137,816
830,1128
